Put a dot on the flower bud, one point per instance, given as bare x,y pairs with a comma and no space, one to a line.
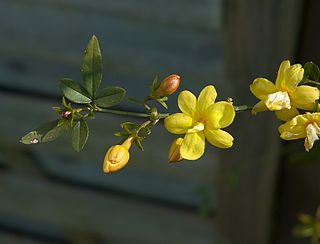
117,157
65,114
174,151
167,86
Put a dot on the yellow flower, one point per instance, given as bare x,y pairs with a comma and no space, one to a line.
174,151
302,126
285,96
117,157
201,118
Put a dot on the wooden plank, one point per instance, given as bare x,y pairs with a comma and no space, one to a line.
258,37
202,15
134,51
145,172
9,238
109,218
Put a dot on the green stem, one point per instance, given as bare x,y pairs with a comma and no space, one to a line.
310,82
134,114
242,108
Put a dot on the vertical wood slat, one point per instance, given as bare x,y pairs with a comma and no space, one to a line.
259,35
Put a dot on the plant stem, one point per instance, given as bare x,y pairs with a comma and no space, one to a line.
129,113
242,108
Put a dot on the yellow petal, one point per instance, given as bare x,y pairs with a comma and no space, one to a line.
187,103
287,114
219,138
207,96
304,97
277,101
178,123
291,133
312,131
174,151
116,158
293,76
261,87
282,74
193,146
295,128
219,115
259,107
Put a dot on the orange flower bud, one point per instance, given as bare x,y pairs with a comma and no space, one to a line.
167,86
174,151
117,157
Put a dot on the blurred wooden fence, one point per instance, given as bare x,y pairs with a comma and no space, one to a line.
48,193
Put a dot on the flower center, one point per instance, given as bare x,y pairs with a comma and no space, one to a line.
277,101
196,128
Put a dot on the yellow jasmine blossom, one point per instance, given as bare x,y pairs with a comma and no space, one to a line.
302,126
117,156
285,96
201,118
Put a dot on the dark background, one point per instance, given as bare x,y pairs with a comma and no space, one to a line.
251,193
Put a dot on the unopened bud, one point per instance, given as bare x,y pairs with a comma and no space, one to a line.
65,114
117,157
167,86
174,151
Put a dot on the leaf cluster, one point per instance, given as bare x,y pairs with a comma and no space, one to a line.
89,95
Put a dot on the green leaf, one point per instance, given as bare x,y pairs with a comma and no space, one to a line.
45,133
155,84
74,91
303,231
138,144
162,103
80,134
135,101
311,71
109,96
92,67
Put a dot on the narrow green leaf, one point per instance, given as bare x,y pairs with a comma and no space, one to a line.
138,144
135,101
110,96
92,67
80,134
45,133
74,91
155,84
162,103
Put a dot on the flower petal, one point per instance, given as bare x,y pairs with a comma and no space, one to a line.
178,123
187,103
207,96
312,132
193,146
219,115
304,97
261,87
277,101
293,76
259,107
295,128
282,73
287,114
219,138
